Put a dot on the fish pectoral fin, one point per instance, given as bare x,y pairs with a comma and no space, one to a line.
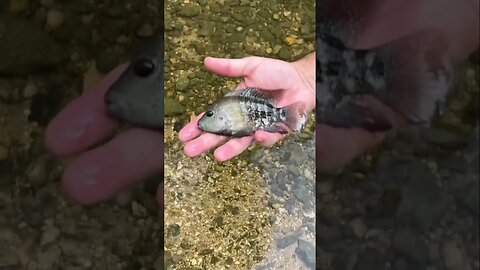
357,112
277,128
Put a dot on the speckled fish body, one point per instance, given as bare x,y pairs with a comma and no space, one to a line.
242,112
403,74
137,96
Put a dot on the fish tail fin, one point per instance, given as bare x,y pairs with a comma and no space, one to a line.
296,116
419,75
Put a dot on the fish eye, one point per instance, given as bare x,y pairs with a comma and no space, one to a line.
209,113
143,67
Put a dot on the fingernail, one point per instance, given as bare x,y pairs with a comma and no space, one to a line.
79,129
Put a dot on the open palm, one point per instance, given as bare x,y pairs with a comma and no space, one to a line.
264,73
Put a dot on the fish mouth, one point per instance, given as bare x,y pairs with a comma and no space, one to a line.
201,124
114,105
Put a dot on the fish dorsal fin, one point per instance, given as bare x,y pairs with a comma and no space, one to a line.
255,93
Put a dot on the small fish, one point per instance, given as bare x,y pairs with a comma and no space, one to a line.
412,75
244,111
137,96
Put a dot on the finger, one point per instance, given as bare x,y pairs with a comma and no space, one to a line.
336,147
268,139
83,122
232,67
232,148
101,173
190,131
202,144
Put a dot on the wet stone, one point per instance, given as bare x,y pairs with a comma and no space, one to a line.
285,53
3,152
172,107
296,155
324,187
182,84
306,252
49,235
454,163
207,251
267,36
359,228
287,240
55,19
452,256
434,251
442,138
293,169
302,194
401,264
330,216
371,259
326,234
173,230
409,244
42,108
190,10
275,188
236,37
470,197
24,48
423,202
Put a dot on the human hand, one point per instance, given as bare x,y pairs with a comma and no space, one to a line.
97,174
296,79
458,22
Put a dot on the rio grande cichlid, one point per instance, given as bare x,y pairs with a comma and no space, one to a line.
412,75
244,111
137,96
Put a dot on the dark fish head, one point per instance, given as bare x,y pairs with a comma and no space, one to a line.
215,120
137,96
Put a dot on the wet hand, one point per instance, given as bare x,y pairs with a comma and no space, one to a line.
258,72
96,173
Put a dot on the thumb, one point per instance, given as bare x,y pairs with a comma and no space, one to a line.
232,67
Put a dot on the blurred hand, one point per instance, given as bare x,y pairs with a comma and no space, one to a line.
258,72
97,174
458,22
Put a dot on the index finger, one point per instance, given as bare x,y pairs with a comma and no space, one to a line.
190,131
84,121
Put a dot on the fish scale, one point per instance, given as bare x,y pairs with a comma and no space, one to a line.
262,115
